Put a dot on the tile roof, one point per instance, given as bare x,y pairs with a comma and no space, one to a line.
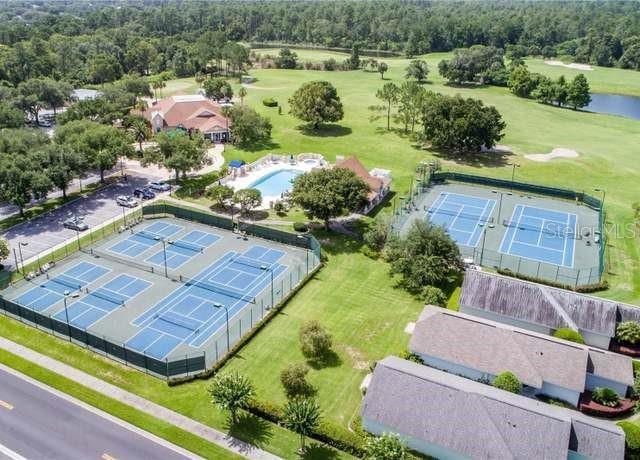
375,183
478,420
191,112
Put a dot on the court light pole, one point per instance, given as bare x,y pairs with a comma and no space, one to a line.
226,311
484,237
66,314
15,258
264,267
604,194
164,252
500,206
20,244
513,172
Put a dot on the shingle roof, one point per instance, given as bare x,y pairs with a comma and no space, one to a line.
612,366
191,112
492,348
374,183
478,420
544,305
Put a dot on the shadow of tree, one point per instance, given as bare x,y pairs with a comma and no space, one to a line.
329,359
250,428
325,130
258,146
317,451
489,159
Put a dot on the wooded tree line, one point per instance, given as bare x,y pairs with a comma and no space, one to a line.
91,43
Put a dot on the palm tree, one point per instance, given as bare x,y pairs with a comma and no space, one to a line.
242,93
389,94
231,392
302,416
139,129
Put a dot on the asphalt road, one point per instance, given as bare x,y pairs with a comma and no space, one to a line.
37,424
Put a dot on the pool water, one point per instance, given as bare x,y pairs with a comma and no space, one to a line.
276,182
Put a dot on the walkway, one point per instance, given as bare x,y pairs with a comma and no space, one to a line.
141,404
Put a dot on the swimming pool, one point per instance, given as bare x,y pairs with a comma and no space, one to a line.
276,182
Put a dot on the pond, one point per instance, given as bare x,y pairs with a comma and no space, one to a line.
615,104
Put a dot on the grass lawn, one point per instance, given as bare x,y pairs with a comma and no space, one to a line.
122,411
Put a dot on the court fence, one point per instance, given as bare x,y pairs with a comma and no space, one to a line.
237,327
572,277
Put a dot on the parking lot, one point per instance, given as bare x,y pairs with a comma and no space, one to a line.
44,232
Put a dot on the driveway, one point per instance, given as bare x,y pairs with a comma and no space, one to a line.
46,231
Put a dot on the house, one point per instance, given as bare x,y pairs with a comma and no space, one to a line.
378,180
449,417
85,94
542,308
191,113
545,365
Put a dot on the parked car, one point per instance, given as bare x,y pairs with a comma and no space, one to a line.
159,186
144,193
127,201
75,223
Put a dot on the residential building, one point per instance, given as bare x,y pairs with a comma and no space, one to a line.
449,417
542,308
378,180
480,349
194,113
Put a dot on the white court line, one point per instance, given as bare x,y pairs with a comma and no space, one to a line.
539,247
10,453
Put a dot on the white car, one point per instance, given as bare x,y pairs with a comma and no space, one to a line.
127,201
159,186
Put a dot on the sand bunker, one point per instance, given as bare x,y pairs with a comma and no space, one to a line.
555,153
573,65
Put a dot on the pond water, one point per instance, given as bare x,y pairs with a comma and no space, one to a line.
615,104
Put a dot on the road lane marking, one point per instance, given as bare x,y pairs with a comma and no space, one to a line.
6,405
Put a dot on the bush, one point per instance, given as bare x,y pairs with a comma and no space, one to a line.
411,357
279,207
507,381
389,446
583,288
628,332
605,396
376,234
632,436
568,334
315,341
294,380
300,226
432,295
270,102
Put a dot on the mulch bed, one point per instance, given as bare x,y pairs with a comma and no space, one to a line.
623,349
588,406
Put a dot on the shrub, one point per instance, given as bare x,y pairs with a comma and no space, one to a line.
376,234
636,386
385,447
628,332
605,396
411,357
507,381
432,295
315,341
279,207
294,380
632,436
583,288
270,102
300,226
568,334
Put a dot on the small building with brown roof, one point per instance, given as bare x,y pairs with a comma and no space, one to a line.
379,183
193,113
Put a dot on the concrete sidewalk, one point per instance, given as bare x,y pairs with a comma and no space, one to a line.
230,443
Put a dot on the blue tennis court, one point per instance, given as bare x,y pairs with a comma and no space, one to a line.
144,239
100,302
182,250
541,234
462,216
53,290
194,312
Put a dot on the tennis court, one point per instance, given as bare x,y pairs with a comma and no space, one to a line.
54,289
180,251
197,310
462,216
541,234
145,238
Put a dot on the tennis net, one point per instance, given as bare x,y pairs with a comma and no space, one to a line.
462,215
186,245
63,282
550,228
101,294
148,235
176,320
242,260
122,260
220,289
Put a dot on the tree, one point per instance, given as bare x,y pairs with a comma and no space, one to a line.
316,102
417,70
545,91
568,334
507,381
560,91
4,249
425,256
382,69
138,127
177,151
294,380
231,392
353,62
411,101
462,125
328,193
287,59
217,88
10,116
301,416
248,127
483,64
103,67
62,164
385,447
579,93
157,83
200,78
22,179
388,94
220,194
520,82
628,332
248,199
315,341
377,233
435,296
242,93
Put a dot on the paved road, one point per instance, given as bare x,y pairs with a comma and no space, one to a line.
37,424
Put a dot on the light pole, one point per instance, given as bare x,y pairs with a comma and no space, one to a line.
164,251
604,194
66,314
226,310
20,244
264,267
78,237
124,217
513,172
484,237
15,258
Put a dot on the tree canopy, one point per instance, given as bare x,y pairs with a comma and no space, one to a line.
316,102
178,151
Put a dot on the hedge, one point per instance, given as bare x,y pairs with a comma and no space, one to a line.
270,102
632,436
582,289
568,334
300,226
